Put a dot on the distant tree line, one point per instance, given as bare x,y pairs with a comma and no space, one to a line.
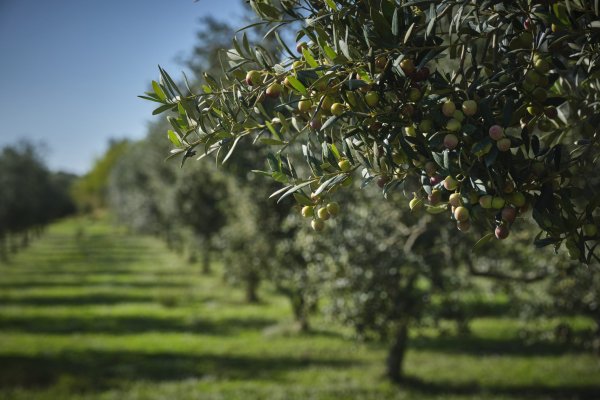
89,192
31,196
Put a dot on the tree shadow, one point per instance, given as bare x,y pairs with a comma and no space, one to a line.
83,271
571,392
325,333
66,262
92,285
473,309
474,345
77,300
123,325
99,370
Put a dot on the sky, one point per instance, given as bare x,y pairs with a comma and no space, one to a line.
71,70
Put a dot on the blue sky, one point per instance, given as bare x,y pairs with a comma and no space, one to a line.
71,70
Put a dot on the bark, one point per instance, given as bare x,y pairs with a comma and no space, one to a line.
13,243
252,282
170,242
596,339
3,248
206,270
463,326
395,359
25,240
300,310
192,257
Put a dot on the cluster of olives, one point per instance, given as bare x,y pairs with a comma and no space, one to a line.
328,105
325,97
320,214
447,192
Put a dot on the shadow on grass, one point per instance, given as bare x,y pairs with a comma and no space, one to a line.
591,392
83,271
92,285
474,345
94,370
78,262
131,324
473,309
76,300
166,295
321,333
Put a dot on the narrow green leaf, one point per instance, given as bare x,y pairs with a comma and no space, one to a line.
330,121
344,48
169,81
481,242
335,151
279,177
266,10
294,189
158,90
279,191
230,152
272,129
309,58
174,138
329,182
408,32
264,173
432,19
302,199
296,84
329,52
331,4
164,108
151,99
395,23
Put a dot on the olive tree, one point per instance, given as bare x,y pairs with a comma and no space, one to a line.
577,291
196,201
386,266
302,268
482,110
152,196
31,195
137,183
254,224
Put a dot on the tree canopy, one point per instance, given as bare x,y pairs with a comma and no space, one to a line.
481,110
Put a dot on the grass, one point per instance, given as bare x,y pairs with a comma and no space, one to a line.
106,315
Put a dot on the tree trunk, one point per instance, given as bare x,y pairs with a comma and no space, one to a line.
252,282
170,242
596,338
300,310
25,240
13,243
206,270
395,359
3,248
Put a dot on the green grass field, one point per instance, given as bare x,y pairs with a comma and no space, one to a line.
113,316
